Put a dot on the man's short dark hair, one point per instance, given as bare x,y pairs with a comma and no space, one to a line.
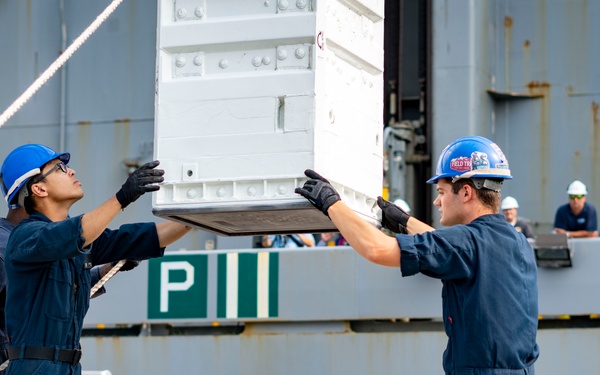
488,197
28,203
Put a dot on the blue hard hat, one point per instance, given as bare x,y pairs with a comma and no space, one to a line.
471,157
23,163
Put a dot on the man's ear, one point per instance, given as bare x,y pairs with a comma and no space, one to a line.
467,192
38,190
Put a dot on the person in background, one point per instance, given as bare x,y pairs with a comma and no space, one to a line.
288,240
509,208
49,255
578,217
332,239
488,270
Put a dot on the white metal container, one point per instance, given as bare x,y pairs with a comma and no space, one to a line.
250,93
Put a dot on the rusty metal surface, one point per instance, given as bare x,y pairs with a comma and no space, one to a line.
109,95
291,353
563,351
328,283
538,61
522,73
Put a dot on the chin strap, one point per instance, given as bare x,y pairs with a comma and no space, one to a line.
487,184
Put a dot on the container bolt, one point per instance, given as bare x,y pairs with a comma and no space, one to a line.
266,60
300,53
181,12
282,4
180,61
221,192
197,60
223,63
267,4
199,12
192,193
257,61
282,54
251,191
281,189
301,4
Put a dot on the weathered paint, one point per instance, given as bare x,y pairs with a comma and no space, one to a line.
595,147
508,32
326,283
544,89
563,351
550,49
526,60
539,48
109,94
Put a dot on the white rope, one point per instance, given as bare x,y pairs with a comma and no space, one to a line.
107,277
42,79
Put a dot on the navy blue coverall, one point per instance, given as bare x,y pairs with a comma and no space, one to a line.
49,286
5,229
490,298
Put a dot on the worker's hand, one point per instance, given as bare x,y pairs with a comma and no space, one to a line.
129,265
139,182
393,217
318,191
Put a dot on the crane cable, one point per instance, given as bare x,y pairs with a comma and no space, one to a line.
60,61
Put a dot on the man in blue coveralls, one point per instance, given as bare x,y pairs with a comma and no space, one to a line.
487,268
15,214
49,255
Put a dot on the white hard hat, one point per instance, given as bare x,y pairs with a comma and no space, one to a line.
402,204
577,188
508,203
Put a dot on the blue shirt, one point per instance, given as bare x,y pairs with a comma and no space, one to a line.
585,220
490,298
48,286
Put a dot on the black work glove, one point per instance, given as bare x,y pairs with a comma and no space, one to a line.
129,265
393,217
318,191
140,182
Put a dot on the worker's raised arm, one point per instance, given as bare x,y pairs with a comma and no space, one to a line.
395,219
141,181
366,239
170,231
